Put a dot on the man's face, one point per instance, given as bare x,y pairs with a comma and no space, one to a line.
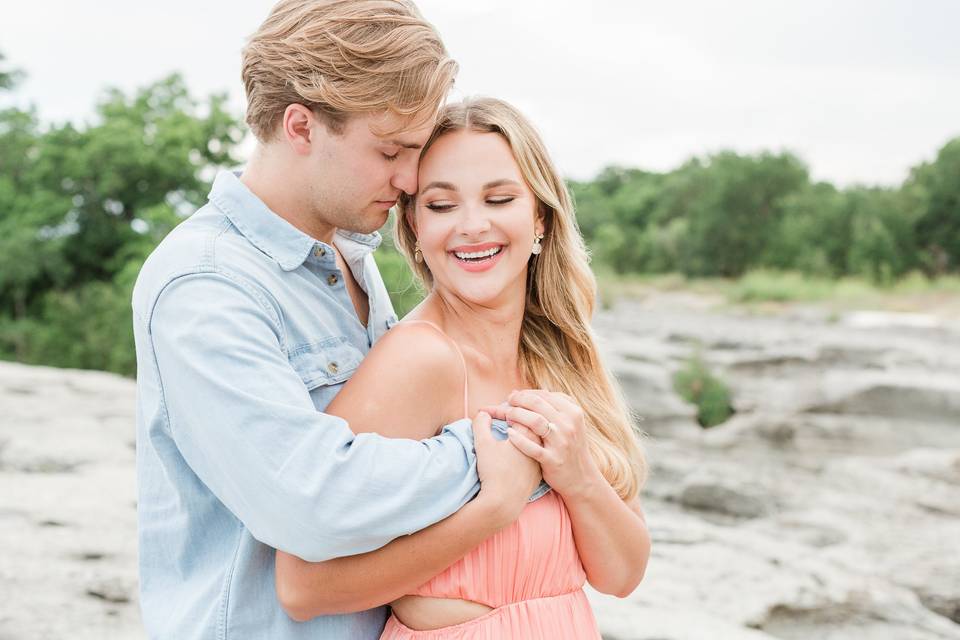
358,174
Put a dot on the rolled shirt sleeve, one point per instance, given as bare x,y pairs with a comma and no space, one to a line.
242,418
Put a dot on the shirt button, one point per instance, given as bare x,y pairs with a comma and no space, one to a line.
332,279
320,252
332,367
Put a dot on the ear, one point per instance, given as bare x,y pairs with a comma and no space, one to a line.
298,128
539,224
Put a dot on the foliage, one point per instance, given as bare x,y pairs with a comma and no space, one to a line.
727,214
8,78
81,208
404,289
933,190
697,385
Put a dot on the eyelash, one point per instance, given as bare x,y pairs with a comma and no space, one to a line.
390,158
446,207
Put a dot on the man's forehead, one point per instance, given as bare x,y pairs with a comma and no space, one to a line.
407,132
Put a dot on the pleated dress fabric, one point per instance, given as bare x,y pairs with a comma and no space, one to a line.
529,573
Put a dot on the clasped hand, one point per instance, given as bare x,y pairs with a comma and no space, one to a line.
550,428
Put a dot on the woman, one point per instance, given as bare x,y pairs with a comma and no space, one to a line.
492,234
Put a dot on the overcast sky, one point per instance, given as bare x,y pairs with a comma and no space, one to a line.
861,90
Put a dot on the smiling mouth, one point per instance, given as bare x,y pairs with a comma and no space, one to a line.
477,256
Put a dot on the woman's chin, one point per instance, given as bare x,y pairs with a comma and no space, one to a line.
485,294
488,288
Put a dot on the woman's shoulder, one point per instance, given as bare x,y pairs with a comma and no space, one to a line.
421,344
415,373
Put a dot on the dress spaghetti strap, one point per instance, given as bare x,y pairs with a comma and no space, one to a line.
463,361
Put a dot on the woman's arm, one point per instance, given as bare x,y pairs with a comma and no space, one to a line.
408,385
611,535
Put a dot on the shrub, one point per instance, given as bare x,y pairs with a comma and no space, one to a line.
697,385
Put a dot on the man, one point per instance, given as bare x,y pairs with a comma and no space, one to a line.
251,314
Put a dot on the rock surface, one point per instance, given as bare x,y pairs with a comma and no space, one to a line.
828,507
68,530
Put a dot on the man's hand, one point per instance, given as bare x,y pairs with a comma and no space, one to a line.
507,476
551,429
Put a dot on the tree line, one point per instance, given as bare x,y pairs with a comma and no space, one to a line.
81,206
727,213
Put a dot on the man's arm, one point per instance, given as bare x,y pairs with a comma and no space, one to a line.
417,378
242,418
355,583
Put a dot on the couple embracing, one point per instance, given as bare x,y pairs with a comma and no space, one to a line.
308,466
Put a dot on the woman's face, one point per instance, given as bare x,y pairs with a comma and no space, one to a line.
475,217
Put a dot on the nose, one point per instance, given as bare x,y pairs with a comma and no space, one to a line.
474,221
405,178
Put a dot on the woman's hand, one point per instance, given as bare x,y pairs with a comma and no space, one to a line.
560,445
611,535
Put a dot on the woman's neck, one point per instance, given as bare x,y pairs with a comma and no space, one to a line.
491,331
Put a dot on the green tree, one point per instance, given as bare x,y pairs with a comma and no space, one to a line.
80,208
8,77
882,245
934,192
613,212
737,205
813,232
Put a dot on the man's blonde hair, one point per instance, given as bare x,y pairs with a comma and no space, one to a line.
344,57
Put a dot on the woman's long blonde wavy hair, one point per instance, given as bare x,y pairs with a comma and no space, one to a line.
557,347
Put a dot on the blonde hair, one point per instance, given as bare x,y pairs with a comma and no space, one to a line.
557,347
344,57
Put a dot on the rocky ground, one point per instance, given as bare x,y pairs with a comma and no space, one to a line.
828,507
68,532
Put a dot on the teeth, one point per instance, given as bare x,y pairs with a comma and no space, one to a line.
473,255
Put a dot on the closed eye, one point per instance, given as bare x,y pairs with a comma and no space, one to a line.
391,158
440,206
500,200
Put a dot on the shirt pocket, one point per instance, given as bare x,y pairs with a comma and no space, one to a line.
328,362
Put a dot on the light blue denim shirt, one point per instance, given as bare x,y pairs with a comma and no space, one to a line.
244,333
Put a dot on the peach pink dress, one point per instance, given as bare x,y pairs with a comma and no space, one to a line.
528,573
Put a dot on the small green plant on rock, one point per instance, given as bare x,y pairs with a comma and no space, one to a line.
697,385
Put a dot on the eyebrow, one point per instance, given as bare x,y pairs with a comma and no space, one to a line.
405,145
501,182
449,186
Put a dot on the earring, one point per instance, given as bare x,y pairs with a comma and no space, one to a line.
417,253
537,247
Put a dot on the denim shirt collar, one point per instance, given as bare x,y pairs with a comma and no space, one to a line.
273,235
